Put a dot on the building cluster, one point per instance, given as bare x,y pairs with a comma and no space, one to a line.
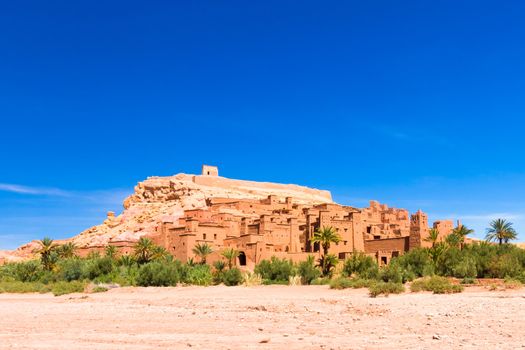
260,229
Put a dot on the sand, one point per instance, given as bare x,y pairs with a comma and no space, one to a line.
263,317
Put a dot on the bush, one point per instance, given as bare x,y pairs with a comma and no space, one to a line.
29,271
414,263
321,281
308,271
362,265
62,287
198,275
70,269
468,280
232,277
385,288
435,284
23,287
158,274
512,283
252,279
275,271
345,282
466,267
97,267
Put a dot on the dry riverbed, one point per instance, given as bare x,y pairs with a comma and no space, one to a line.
263,317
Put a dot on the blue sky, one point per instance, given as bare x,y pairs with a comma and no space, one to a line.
415,103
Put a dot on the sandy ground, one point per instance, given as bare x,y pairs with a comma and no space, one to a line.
264,317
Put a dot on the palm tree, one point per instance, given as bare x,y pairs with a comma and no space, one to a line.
67,250
454,240
46,250
500,230
325,236
202,251
230,254
327,263
110,251
433,236
462,231
159,252
143,250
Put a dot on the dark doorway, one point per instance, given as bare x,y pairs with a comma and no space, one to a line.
242,259
383,260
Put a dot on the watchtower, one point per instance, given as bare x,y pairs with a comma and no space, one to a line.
210,170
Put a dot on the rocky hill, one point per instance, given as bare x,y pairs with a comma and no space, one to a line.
165,198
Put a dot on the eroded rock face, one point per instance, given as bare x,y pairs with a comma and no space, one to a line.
160,199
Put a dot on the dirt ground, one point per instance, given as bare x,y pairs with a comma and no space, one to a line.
264,317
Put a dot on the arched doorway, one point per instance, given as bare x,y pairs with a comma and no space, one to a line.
242,259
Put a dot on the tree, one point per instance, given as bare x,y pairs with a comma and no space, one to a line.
461,232
230,254
454,240
143,250
67,250
325,237
327,263
500,230
158,253
47,251
110,251
433,236
202,250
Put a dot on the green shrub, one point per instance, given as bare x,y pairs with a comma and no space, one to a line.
23,287
158,274
232,277
385,288
321,281
345,282
362,265
466,267
198,275
435,284
29,271
414,263
62,287
99,289
275,271
97,267
308,271
512,283
468,280
71,269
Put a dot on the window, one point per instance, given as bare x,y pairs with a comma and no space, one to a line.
203,236
369,229
377,237
214,236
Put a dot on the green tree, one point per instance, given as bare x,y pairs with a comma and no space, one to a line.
230,254
327,263
202,250
500,230
110,251
143,250
325,236
67,250
433,236
462,231
47,251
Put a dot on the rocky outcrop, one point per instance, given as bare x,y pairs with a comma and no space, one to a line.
160,199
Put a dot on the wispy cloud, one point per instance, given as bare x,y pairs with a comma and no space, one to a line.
42,191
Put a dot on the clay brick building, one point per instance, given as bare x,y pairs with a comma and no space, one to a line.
274,226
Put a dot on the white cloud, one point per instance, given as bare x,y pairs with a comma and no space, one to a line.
33,190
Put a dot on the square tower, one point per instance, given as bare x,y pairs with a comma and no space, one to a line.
210,170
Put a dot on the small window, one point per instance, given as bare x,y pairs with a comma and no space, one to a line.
214,236
203,236
377,237
369,229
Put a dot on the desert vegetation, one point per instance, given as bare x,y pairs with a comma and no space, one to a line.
445,267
